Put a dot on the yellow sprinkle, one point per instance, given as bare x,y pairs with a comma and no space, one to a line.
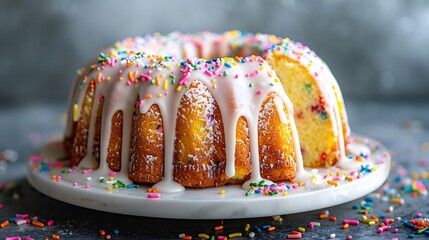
165,85
285,194
247,227
222,191
261,68
233,235
120,78
111,178
301,229
178,88
162,75
425,175
169,68
213,80
364,219
279,219
160,95
309,64
234,63
203,235
415,175
228,59
109,188
116,186
108,78
370,223
75,109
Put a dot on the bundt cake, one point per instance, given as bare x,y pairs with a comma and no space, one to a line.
205,110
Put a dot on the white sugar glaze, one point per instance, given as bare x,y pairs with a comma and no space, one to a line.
123,80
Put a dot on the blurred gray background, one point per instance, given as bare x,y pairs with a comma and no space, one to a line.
376,49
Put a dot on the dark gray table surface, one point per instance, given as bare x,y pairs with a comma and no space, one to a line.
403,127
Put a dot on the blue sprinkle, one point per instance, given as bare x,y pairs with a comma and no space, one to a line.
411,235
382,216
227,65
116,231
257,191
257,229
369,199
266,226
355,206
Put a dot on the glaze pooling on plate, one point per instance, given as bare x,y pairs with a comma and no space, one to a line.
209,203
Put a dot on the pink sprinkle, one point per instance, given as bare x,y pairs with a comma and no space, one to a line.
380,230
13,238
1,206
87,171
128,83
112,173
336,179
120,71
351,221
87,186
310,225
349,237
153,195
208,73
160,130
259,92
58,178
141,103
236,76
75,184
395,230
419,214
220,237
385,228
35,158
28,238
386,221
21,215
50,222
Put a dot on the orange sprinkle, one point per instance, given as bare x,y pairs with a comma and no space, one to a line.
332,218
155,190
148,96
382,224
4,224
349,179
346,226
99,77
270,229
130,64
187,237
330,182
38,224
217,228
149,190
323,216
157,81
102,232
292,181
120,78
131,76
55,236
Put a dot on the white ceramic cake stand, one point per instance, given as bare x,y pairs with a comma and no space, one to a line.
209,203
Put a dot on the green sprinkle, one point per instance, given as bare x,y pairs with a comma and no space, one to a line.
248,192
152,82
225,73
261,183
422,230
323,115
271,84
250,84
121,184
253,184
